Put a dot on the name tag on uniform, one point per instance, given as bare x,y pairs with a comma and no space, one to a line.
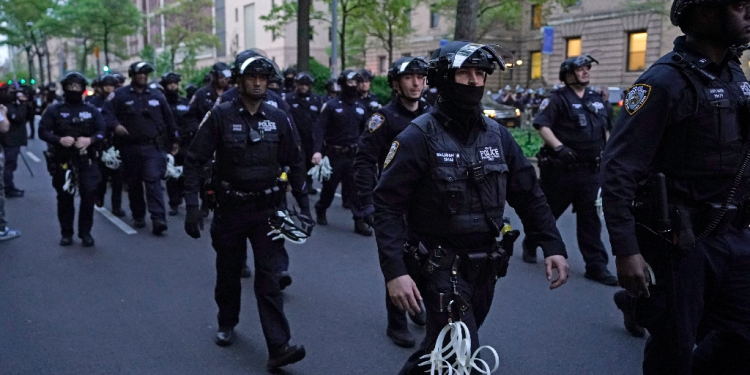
237,128
374,104
153,103
182,107
85,115
129,102
444,157
715,94
360,111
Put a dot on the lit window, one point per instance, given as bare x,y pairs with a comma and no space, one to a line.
573,47
536,65
637,51
536,16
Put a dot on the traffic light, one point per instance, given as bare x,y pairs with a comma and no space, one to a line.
10,81
33,81
23,81
106,69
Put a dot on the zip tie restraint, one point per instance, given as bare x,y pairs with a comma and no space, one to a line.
459,350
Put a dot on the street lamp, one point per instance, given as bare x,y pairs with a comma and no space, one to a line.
519,62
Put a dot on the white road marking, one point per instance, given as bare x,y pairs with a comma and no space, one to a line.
115,220
33,157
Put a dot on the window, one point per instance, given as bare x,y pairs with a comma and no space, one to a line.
637,51
536,65
406,54
573,47
434,17
536,17
236,15
249,26
382,61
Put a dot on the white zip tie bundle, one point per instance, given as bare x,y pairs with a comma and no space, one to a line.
70,185
321,171
459,348
111,158
172,171
598,204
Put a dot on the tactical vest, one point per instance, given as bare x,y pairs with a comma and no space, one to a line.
708,143
78,123
449,203
246,157
584,130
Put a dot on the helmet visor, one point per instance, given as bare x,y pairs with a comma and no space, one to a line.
462,56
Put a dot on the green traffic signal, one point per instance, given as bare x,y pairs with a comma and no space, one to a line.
10,81
106,69
33,81
23,81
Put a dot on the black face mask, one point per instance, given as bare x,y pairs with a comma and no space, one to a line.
348,92
289,83
172,95
73,97
463,96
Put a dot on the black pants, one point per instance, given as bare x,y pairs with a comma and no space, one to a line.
232,226
701,296
88,177
343,173
578,188
175,186
479,294
11,163
145,165
115,176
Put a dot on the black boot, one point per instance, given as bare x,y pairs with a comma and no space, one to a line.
66,241
117,211
360,227
87,240
401,337
224,336
626,304
159,227
285,355
529,252
321,216
285,279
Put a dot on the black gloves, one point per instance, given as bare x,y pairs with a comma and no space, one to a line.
565,154
368,214
194,221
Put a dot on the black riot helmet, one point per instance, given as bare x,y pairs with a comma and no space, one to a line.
155,86
190,90
304,78
241,57
461,54
108,80
96,82
220,68
332,86
73,77
245,64
367,75
290,71
570,65
346,75
120,78
681,7
140,67
406,65
170,77
52,86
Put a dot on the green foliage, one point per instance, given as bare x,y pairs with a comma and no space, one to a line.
148,54
321,73
189,29
379,87
388,23
196,78
529,140
20,74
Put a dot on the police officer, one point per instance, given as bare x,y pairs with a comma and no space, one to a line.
275,84
289,79
338,128
120,78
190,90
253,141
73,130
145,128
207,96
305,107
12,140
573,123
6,233
107,84
451,172
680,152
179,105
369,99
333,90
406,77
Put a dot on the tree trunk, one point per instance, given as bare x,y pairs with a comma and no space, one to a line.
342,41
40,60
106,48
30,60
466,20
390,45
303,35
84,57
49,67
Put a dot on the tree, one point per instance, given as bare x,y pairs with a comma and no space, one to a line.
25,25
466,20
189,28
303,35
389,23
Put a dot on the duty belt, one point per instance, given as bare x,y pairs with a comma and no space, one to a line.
227,191
341,150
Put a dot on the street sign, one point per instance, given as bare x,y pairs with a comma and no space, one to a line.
548,40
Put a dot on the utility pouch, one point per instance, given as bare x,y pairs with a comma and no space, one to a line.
209,186
475,266
435,260
414,259
52,165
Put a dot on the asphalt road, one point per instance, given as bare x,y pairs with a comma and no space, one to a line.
140,304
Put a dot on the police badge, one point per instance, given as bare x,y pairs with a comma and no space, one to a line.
637,96
391,153
375,122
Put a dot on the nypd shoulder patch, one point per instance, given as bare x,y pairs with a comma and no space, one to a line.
543,104
375,122
637,97
391,153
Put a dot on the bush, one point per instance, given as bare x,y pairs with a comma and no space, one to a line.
321,73
379,87
529,140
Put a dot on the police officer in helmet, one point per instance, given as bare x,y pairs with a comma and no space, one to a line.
407,79
145,130
676,197
305,106
253,143
179,105
369,99
451,171
333,90
289,74
573,123
73,130
341,122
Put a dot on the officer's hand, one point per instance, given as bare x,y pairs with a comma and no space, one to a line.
4,110
632,271
82,142
317,157
565,154
404,294
561,264
175,149
121,131
368,213
67,141
193,221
